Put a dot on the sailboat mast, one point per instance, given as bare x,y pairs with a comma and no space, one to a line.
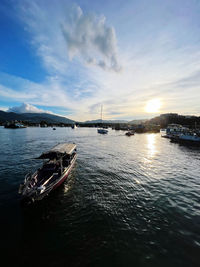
101,113
102,130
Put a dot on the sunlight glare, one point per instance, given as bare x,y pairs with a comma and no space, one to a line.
151,144
153,106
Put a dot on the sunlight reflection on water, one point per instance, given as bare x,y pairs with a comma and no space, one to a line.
151,144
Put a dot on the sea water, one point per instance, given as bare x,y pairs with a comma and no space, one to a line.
129,201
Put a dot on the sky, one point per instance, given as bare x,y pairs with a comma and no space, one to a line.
136,58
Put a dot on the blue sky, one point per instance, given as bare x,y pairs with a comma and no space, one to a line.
71,57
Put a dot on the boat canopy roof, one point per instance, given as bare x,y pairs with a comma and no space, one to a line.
58,151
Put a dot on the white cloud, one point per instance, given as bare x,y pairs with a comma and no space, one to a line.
27,108
88,36
3,108
49,93
63,33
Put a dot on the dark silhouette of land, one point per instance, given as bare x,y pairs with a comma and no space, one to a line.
139,126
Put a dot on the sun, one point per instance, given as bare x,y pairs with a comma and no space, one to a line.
153,106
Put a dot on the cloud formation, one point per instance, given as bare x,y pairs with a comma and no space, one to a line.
90,38
26,108
75,46
71,34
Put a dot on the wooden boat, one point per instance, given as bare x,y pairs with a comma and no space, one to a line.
57,165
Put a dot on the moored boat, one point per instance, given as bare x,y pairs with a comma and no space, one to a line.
102,130
14,125
58,163
187,138
173,130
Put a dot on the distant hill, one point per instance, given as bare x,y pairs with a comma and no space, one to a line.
137,121
106,121
33,117
8,116
164,119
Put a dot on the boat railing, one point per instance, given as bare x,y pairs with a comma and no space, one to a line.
28,177
54,175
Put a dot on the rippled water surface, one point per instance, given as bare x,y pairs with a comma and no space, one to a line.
129,201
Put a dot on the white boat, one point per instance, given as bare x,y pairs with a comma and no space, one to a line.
54,171
173,130
102,130
187,138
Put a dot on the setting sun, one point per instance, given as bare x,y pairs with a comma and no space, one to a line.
153,106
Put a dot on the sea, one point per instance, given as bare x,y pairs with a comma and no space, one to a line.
129,201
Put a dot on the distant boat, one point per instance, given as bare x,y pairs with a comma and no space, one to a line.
73,126
14,125
163,133
54,128
129,133
102,130
54,171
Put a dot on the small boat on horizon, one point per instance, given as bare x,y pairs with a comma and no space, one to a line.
58,163
129,133
102,130
14,125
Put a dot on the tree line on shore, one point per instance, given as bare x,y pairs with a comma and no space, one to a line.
151,125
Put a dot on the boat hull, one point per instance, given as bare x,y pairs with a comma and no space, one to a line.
36,197
66,174
102,131
186,141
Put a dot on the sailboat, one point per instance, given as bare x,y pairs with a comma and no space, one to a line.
101,130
